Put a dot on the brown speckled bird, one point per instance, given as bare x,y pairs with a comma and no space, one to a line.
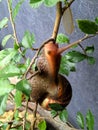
48,86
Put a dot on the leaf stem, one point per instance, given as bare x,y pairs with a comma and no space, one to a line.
35,118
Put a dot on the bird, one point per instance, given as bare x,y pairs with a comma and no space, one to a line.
48,86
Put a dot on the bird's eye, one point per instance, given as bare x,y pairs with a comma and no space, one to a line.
49,52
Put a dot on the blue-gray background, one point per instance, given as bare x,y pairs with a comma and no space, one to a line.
40,21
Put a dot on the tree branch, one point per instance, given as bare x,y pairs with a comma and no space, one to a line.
12,23
62,49
57,20
14,29
35,112
59,13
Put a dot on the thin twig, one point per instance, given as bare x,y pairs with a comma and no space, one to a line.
82,48
62,49
14,29
35,73
35,112
34,49
12,23
11,97
19,124
24,119
68,5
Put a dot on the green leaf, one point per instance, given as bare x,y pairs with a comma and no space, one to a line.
5,52
18,98
4,126
35,3
89,120
64,69
63,116
27,63
61,38
10,71
96,20
42,125
50,3
66,66
16,47
87,26
28,40
3,22
16,115
23,67
18,128
28,126
75,56
5,86
53,113
91,60
17,57
80,120
89,49
3,100
6,56
16,9
5,39
56,106
24,87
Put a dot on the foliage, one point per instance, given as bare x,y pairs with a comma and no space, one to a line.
3,22
87,121
13,62
6,38
57,109
87,26
3,100
16,9
28,40
42,125
49,3
61,38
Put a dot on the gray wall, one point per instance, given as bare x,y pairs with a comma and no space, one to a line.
40,21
